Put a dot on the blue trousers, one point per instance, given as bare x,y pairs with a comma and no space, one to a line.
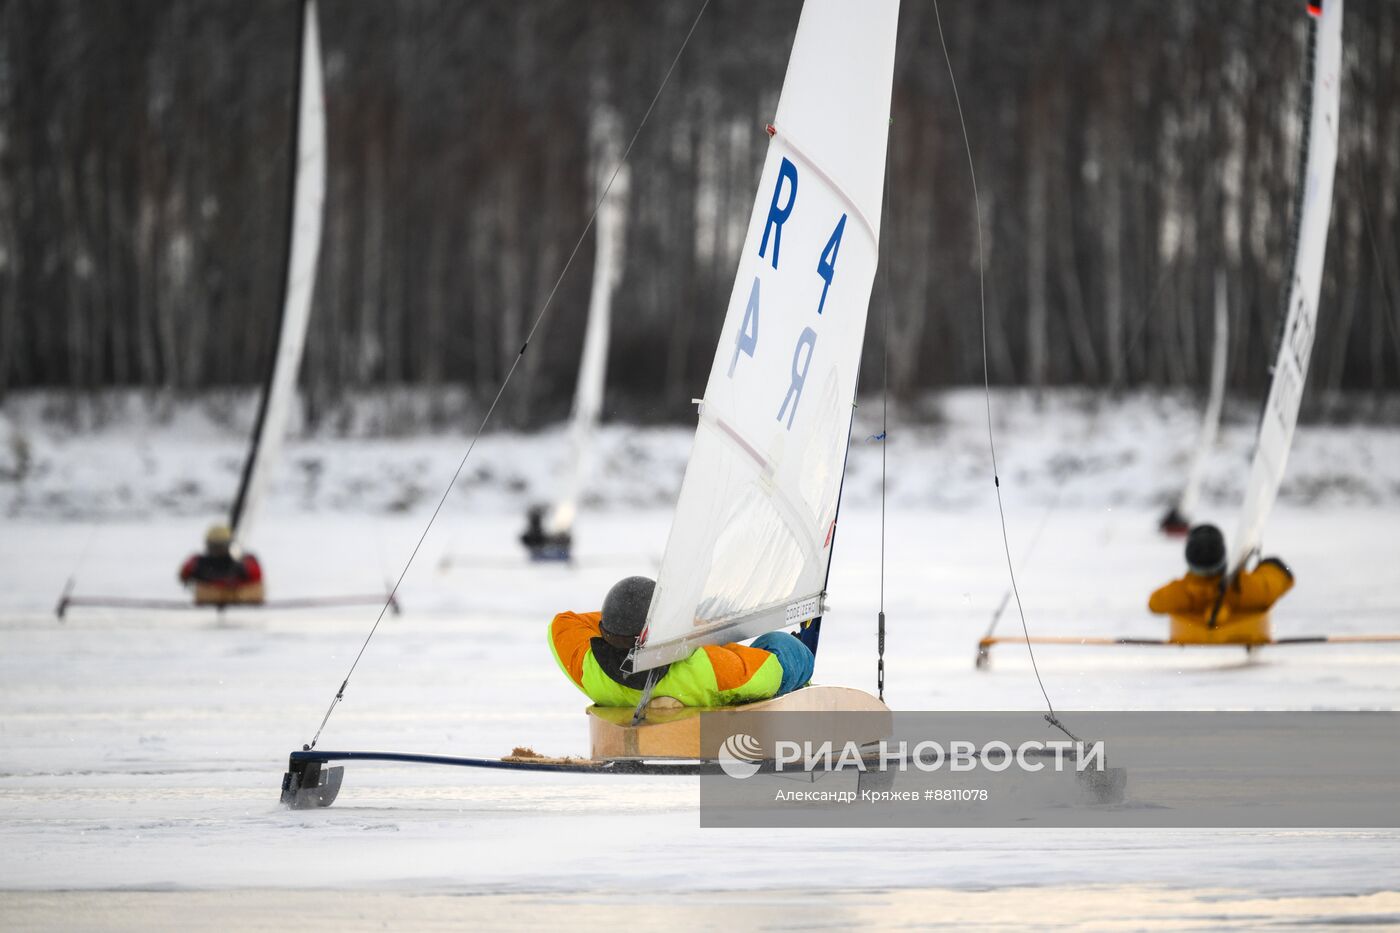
796,659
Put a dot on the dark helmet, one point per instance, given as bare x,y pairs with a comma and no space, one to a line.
1205,551
625,607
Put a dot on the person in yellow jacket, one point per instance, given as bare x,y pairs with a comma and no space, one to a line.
1204,591
592,646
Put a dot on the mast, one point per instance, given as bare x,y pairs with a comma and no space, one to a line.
1314,208
305,201
593,365
1210,420
750,544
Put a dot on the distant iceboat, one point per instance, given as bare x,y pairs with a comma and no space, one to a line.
1280,416
549,533
306,207
1177,522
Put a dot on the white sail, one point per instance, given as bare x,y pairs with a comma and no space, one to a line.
610,228
752,534
308,198
1210,421
1291,368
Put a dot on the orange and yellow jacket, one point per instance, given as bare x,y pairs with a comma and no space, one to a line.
714,675
1252,591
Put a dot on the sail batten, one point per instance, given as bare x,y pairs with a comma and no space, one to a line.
835,186
306,203
735,628
750,544
1280,417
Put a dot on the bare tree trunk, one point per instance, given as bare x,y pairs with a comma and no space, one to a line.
1111,157
371,271
512,284
1037,230
9,234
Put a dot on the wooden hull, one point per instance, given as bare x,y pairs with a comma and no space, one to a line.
1244,628
207,594
673,731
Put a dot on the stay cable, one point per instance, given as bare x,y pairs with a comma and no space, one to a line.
539,319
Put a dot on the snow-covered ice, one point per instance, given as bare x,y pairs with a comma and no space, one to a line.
143,752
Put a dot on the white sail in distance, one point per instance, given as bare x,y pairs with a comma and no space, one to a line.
1210,420
306,205
1295,348
610,231
751,539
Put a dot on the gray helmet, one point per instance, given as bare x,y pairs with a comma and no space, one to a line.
625,607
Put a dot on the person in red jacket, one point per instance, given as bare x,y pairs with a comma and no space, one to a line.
1206,592
217,566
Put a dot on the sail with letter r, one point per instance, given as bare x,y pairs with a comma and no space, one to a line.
753,529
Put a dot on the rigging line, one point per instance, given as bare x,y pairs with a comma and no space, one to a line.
1116,385
986,376
77,567
811,630
539,318
884,441
1026,556
1139,328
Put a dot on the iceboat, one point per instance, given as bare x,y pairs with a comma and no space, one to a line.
548,537
1280,415
751,541
307,174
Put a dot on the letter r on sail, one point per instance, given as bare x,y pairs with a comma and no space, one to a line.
800,364
777,216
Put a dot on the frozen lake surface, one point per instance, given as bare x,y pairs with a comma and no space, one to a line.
143,751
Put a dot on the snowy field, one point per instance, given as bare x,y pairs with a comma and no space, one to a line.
141,753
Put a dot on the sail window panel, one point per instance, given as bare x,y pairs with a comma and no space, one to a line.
755,560
824,459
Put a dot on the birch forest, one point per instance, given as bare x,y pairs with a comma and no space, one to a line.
1125,153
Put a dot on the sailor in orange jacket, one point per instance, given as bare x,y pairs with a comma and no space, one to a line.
1200,590
592,646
